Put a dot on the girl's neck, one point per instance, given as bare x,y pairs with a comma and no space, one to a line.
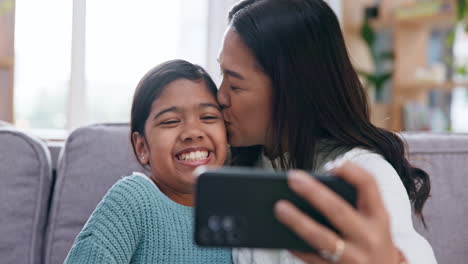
185,199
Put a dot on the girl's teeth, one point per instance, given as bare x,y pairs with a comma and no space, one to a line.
194,156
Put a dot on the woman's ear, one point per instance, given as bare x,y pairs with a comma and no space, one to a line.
141,149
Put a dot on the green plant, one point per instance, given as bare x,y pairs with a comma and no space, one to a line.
462,70
462,12
462,15
376,79
461,19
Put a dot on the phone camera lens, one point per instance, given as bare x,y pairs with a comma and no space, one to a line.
214,223
228,223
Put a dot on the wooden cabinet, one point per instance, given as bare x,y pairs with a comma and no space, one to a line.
411,36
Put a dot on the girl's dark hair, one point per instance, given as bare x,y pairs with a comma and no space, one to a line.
152,85
317,95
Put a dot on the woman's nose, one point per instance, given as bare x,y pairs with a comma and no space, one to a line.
223,97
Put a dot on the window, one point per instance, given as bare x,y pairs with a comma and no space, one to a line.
121,48
42,62
78,62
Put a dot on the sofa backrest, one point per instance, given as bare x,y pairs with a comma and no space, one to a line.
93,159
25,189
445,158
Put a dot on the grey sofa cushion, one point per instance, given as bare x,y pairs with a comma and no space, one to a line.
25,187
93,159
445,158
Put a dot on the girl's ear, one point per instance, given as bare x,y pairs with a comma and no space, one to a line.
141,148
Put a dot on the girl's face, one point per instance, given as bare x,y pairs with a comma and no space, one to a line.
245,94
184,130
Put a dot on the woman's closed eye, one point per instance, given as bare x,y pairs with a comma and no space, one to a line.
234,88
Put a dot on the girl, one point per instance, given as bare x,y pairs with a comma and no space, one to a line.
176,125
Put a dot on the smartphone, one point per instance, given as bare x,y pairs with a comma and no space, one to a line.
234,208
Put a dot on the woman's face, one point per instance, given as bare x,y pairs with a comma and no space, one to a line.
184,130
245,93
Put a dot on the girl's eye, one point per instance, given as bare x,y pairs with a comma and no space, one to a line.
170,122
209,117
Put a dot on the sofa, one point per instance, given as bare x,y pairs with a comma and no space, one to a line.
42,212
445,158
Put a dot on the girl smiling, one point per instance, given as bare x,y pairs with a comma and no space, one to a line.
176,126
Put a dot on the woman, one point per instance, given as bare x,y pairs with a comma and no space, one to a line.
289,91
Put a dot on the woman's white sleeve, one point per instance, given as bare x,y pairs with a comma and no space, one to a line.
415,247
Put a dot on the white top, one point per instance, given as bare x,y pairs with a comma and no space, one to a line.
416,249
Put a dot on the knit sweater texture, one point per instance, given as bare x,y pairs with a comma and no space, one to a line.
136,223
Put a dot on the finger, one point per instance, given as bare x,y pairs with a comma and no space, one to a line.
368,192
315,234
342,215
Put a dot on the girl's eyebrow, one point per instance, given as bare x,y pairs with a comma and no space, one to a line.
170,109
205,105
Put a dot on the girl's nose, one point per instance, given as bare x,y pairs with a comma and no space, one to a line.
192,134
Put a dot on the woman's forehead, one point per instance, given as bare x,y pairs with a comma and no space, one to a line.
235,55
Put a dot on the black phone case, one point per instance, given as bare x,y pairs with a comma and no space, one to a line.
234,208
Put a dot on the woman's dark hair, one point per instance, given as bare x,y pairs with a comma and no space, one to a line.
152,85
317,95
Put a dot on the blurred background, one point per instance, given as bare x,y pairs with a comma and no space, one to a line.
69,63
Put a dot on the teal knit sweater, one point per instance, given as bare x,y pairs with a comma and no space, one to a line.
136,223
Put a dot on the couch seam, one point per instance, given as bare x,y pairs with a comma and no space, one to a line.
55,210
